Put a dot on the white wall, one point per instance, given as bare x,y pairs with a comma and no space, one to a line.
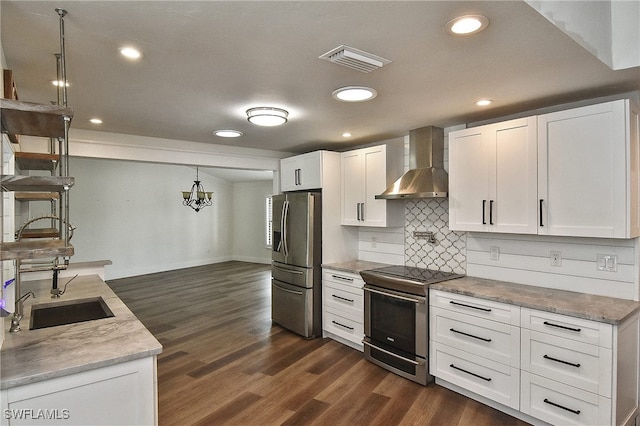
132,214
249,228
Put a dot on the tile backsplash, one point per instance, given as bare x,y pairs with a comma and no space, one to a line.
448,252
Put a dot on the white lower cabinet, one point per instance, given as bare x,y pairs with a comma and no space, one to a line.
343,307
473,345
120,394
554,368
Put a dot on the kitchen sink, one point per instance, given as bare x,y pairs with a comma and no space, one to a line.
74,311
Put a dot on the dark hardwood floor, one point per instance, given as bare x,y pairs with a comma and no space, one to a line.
225,363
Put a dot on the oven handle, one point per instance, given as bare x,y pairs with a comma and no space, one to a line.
390,353
395,296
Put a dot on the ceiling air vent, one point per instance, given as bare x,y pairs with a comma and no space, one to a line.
354,58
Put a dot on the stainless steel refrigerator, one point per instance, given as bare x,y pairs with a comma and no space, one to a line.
296,290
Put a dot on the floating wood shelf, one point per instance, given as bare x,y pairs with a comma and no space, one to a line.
27,118
40,233
36,196
36,183
34,249
36,161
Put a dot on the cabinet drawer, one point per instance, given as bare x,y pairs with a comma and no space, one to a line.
488,378
344,298
476,307
560,404
343,278
571,362
336,323
572,328
489,339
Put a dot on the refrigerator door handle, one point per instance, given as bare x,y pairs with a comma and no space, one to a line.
290,271
299,293
285,231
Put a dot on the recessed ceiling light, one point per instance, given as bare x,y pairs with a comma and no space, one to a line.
267,116
484,102
58,83
346,135
354,94
95,121
228,133
468,24
130,52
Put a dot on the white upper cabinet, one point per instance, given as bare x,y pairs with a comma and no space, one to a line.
570,173
366,173
588,171
492,178
301,172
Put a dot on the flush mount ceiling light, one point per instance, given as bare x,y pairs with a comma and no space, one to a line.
267,116
354,94
228,133
484,102
130,52
467,25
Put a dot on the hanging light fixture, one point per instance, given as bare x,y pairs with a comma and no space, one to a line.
197,198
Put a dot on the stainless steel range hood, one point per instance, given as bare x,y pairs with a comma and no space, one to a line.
426,177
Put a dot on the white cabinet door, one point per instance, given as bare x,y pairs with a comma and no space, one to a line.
301,172
512,203
374,211
352,165
492,178
584,178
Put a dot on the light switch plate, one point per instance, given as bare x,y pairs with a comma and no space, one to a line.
494,253
607,262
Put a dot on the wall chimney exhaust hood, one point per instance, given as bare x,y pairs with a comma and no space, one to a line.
426,177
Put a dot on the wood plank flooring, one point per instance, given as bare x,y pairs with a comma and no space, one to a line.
224,363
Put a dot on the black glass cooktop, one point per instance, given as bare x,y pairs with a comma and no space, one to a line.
406,278
427,276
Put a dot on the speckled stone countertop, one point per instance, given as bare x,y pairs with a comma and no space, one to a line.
33,355
596,308
354,266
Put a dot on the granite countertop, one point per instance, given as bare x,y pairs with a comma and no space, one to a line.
354,266
33,355
596,308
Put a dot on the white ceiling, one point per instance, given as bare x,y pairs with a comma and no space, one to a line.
206,62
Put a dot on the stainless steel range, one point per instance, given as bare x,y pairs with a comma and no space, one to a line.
396,318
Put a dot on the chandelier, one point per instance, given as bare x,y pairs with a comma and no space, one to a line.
197,198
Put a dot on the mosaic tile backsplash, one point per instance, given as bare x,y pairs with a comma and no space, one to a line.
448,253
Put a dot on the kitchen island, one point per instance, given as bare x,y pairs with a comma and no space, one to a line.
95,372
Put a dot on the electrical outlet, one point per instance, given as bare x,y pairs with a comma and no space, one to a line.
556,258
494,253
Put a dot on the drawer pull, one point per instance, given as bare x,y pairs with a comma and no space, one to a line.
561,361
488,379
484,339
564,327
560,406
338,277
342,298
342,325
469,306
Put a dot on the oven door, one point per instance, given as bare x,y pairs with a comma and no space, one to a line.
396,332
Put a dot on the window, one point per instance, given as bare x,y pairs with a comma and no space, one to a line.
268,221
